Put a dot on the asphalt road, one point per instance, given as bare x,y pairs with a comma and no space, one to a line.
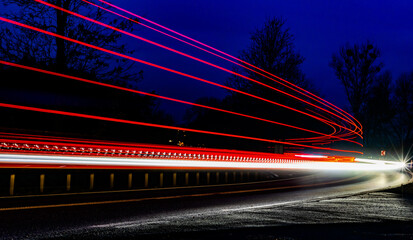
278,208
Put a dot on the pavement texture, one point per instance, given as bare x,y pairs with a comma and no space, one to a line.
386,214
376,215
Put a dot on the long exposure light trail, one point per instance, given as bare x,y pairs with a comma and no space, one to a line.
87,116
19,142
171,99
186,55
228,55
345,114
170,70
191,57
113,162
33,144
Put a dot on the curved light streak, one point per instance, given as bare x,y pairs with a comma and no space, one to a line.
240,60
170,99
87,116
191,57
169,70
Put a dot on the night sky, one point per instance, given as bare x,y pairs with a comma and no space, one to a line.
320,28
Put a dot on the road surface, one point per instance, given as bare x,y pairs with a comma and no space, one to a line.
235,211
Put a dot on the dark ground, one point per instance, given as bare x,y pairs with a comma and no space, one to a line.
377,215
384,214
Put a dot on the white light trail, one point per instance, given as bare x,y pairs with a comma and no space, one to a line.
67,161
311,156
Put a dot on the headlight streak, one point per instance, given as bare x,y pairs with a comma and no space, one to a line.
113,162
311,156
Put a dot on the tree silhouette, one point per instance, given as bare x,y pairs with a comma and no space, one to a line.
356,67
272,50
26,46
403,106
379,112
34,49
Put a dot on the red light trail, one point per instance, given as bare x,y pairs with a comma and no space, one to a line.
169,99
232,72
341,122
172,71
246,63
188,56
87,116
338,110
60,152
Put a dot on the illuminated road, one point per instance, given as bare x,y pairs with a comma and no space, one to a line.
297,162
183,211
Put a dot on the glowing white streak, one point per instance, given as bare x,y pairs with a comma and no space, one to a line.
311,156
358,165
377,161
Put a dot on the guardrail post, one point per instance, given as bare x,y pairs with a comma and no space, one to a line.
256,175
12,177
234,176
91,181
146,179
186,178
174,179
217,177
41,183
161,180
226,177
241,175
129,180
208,177
112,180
68,180
197,178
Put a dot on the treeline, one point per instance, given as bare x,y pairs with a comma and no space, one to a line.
383,104
271,49
25,87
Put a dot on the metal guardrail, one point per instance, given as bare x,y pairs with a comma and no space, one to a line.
44,181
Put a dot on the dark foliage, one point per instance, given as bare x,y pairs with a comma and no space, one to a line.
272,50
42,51
384,106
402,102
356,67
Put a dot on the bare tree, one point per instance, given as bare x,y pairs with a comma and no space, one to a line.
272,50
26,46
379,112
403,104
356,67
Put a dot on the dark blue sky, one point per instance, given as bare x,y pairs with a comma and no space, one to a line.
320,28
